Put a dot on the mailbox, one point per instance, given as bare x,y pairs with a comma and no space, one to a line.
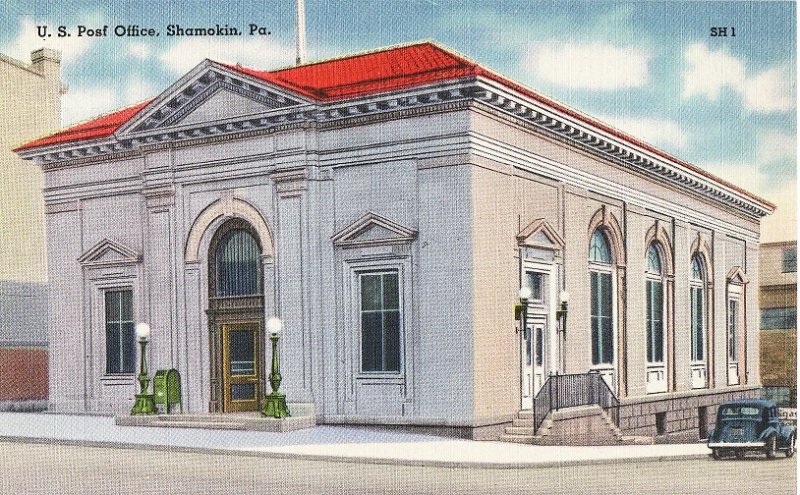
167,389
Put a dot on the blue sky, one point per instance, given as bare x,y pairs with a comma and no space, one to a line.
727,104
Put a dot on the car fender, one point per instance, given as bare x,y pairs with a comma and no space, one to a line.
786,433
767,432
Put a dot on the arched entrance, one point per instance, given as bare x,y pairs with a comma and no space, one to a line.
236,316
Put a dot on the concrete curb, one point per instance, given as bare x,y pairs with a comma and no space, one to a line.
349,459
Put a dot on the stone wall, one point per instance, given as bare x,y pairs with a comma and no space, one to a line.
681,414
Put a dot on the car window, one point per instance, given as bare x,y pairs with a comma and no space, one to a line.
740,411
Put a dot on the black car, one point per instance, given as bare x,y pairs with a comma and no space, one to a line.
750,425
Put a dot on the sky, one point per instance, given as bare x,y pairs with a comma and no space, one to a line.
652,69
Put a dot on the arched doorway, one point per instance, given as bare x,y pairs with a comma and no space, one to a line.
236,316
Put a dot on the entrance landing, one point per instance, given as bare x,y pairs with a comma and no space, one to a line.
248,421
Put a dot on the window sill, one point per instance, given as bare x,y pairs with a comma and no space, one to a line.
393,378
121,379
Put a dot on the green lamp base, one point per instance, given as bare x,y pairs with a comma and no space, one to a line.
275,406
145,404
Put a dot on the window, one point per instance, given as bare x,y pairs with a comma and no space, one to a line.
120,336
654,287
778,318
733,328
535,284
599,250
380,322
661,423
602,300
698,305
237,265
539,346
789,260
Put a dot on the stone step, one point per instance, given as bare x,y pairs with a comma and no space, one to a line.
517,439
528,423
520,430
209,425
525,414
208,418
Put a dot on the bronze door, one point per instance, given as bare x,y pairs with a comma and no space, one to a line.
241,372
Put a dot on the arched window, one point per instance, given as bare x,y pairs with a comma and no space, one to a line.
655,305
599,249
237,264
697,284
600,280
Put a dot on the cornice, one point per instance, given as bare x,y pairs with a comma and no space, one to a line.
435,98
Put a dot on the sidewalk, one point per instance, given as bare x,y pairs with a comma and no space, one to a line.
328,443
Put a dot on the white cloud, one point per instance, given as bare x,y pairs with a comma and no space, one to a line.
184,55
665,133
71,48
142,51
708,72
769,91
775,146
83,103
596,65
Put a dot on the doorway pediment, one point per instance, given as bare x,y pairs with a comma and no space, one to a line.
373,229
540,234
107,253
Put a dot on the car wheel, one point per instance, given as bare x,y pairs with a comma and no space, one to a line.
740,454
772,447
790,450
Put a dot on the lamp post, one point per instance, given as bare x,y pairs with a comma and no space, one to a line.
144,403
561,316
275,402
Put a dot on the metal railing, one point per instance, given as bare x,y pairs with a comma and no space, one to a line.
562,391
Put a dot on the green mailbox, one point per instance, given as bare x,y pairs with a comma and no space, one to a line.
167,388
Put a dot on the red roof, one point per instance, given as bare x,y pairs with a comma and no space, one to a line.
390,69
100,127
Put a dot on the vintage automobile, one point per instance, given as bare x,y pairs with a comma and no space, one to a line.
750,425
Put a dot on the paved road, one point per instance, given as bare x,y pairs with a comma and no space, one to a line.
46,469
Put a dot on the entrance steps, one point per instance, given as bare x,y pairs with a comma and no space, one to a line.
303,417
584,425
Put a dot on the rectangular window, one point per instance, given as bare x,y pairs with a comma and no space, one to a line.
778,318
380,322
655,322
698,328
602,321
536,286
120,334
733,329
539,346
789,260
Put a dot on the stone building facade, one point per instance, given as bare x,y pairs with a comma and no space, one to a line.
778,301
30,106
388,207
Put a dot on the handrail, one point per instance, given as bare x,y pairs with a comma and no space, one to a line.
572,390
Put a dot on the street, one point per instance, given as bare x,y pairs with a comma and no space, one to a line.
46,469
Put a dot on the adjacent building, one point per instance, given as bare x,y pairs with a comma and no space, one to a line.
388,206
30,106
778,301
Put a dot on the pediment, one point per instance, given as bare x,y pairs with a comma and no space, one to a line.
540,234
108,252
373,229
737,276
211,92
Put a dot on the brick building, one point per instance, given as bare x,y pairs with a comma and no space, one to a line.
30,106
